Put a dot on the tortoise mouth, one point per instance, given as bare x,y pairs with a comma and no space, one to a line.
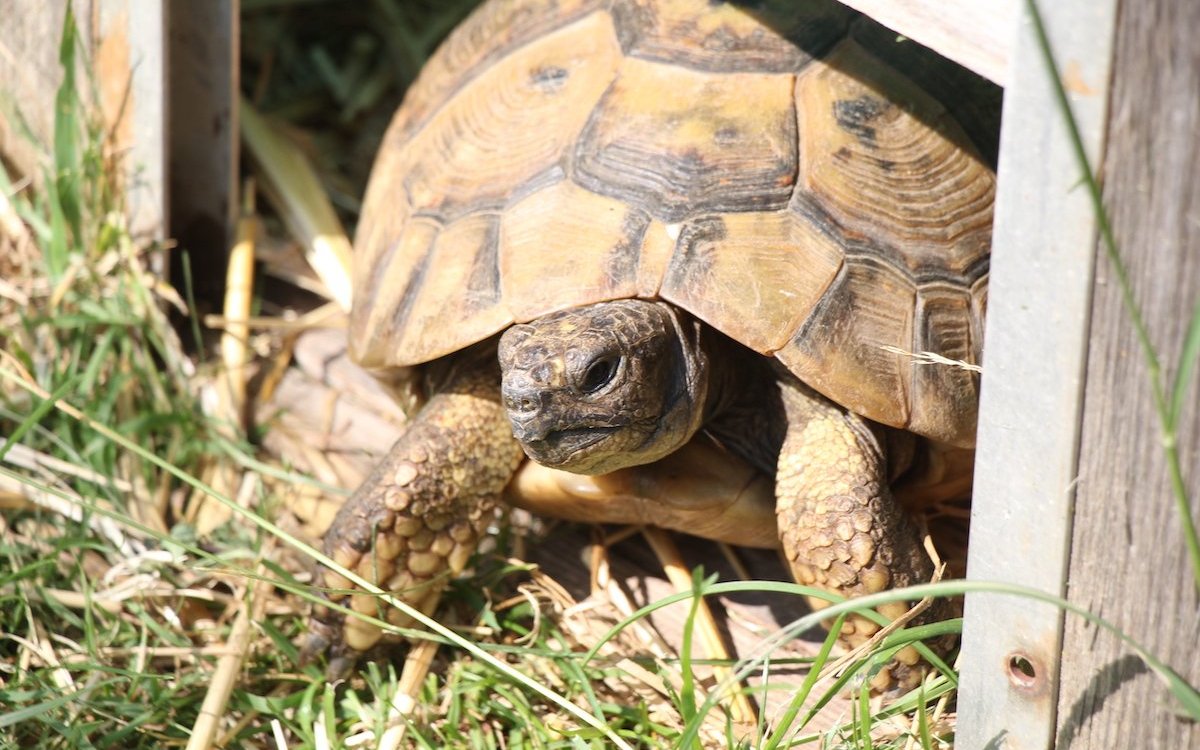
560,447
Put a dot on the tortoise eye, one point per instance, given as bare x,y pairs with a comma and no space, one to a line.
599,374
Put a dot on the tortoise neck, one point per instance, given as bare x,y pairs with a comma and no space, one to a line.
743,407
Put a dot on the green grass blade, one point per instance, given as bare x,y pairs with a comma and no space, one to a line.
320,557
68,183
784,722
923,731
1187,366
34,417
687,690
862,722
12,718
1109,242
57,248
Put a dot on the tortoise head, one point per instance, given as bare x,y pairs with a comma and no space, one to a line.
602,387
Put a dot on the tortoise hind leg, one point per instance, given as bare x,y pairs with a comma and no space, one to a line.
841,529
418,517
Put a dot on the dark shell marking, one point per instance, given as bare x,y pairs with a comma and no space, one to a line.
778,173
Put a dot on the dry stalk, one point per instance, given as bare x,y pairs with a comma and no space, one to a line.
713,644
239,293
229,665
291,182
931,358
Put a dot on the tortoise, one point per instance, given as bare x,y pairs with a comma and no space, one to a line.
599,229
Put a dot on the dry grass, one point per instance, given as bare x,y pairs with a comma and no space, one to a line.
157,498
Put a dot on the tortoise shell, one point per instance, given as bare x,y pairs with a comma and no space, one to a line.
778,172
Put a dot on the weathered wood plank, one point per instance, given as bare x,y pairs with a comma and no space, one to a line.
130,63
123,39
976,34
29,76
1034,356
1128,555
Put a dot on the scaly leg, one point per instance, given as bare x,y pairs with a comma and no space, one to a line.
418,517
841,529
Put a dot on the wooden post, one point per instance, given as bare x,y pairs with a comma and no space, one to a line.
1034,357
124,41
171,108
29,74
976,34
130,65
1129,560
203,130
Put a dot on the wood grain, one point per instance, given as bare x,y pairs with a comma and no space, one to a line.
1128,558
1039,295
130,62
123,42
974,33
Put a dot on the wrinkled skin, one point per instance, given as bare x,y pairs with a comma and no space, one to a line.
595,390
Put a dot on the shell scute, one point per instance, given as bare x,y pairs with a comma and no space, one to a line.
494,30
511,122
753,275
459,294
679,141
774,169
944,324
779,36
840,349
887,161
378,318
586,245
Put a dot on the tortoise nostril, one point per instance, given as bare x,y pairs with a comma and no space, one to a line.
524,405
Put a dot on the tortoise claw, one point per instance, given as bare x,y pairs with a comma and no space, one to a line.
419,515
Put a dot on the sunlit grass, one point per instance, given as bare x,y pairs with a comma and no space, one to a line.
116,612
125,625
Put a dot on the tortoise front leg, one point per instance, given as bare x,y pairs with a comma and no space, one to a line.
841,529
416,520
